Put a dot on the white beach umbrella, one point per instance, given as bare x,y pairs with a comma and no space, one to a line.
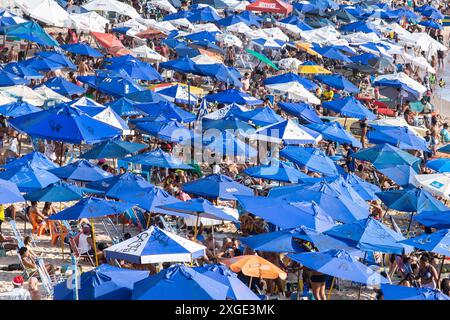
88,21
437,184
144,52
229,39
239,27
294,91
291,64
46,11
24,93
111,6
276,33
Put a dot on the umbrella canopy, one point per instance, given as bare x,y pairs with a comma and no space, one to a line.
172,131
64,87
28,178
226,143
124,107
17,109
56,192
217,186
120,185
291,77
439,165
42,64
287,214
383,155
178,94
9,193
255,266
81,170
259,116
309,67
82,49
112,149
301,110
350,107
134,68
410,200
437,184
311,158
22,71
280,241
233,96
226,123
91,208
339,264
155,246
58,58
35,159
401,137
287,132
30,31
102,283
370,235
116,83
198,207
11,79
393,292
277,171
366,190
167,110
338,82
437,242
66,124
158,158
237,290
150,199
402,174
335,132
179,282
262,58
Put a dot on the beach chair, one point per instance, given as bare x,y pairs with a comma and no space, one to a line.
16,233
27,273
111,230
76,252
46,280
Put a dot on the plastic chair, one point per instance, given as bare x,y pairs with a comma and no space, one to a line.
57,232
76,252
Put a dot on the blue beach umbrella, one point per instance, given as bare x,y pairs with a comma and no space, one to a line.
178,94
287,132
439,165
17,109
198,207
66,124
92,208
10,79
432,13
311,158
431,24
135,69
366,190
277,171
58,58
370,235
35,159
259,116
102,283
30,31
279,241
172,131
237,290
338,82
56,192
217,186
154,246
117,186
302,111
401,137
158,158
411,200
41,64
22,71
117,84
179,282
394,292
28,178
150,199
231,20
334,131
228,75
82,49
227,143
206,14
64,87
438,219
350,107
9,193
401,174
290,77
436,242
339,264
124,107
182,65
444,149
287,214
251,18
81,170
382,155
233,96
167,110
112,149
227,123
332,53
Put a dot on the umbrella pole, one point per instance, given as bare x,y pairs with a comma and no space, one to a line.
62,238
196,226
331,288
360,285
250,282
148,219
62,151
384,215
409,225
95,243
214,241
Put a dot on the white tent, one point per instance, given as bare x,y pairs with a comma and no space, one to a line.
46,11
437,184
112,6
88,21
24,93
294,91
144,52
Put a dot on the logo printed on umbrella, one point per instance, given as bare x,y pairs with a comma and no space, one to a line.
231,190
135,245
55,127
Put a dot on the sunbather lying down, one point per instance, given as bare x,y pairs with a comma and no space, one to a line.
8,243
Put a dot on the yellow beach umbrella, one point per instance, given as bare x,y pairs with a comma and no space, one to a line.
307,47
309,67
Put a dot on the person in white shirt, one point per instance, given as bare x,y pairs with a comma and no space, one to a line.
18,292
